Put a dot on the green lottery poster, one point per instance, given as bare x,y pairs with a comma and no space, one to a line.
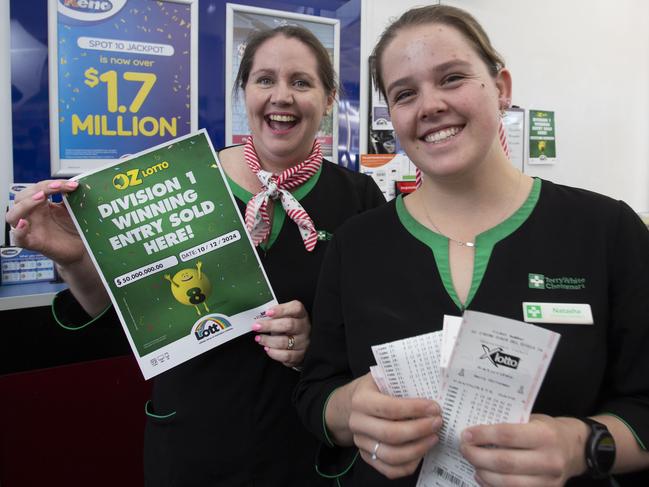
542,138
163,229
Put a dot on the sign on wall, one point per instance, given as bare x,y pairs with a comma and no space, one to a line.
514,125
241,22
123,78
542,137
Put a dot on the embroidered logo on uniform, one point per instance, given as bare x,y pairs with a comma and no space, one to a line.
533,311
536,281
498,357
540,281
324,235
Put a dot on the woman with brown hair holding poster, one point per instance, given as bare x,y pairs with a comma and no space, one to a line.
225,417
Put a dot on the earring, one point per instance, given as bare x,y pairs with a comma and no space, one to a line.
506,103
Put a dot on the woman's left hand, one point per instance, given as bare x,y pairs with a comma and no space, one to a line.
544,452
284,333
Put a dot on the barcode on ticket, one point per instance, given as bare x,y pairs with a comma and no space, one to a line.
453,479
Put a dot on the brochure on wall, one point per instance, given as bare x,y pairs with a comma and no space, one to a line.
494,373
542,141
123,77
514,123
380,114
386,170
165,234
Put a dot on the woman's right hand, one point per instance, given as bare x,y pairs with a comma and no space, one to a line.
46,227
403,429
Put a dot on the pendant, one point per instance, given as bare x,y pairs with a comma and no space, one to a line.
465,244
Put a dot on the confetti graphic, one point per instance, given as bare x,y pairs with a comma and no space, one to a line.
123,81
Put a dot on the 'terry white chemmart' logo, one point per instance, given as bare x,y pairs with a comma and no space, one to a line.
90,10
533,311
540,281
536,281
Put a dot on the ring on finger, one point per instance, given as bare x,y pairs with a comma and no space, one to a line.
376,449
291,342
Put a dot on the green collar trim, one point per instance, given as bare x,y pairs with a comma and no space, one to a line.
485,242
337,476
279,215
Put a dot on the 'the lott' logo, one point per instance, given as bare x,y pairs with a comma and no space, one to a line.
498,357
210,326
90,10
540,281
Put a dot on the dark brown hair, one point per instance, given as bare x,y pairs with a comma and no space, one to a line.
461,20
326,71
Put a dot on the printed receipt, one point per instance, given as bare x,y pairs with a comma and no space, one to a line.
494,373
409,367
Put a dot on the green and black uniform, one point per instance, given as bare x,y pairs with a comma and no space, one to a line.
387,277
225,418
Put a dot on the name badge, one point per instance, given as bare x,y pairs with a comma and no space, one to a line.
566,313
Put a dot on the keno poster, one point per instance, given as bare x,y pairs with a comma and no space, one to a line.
165,233
122,77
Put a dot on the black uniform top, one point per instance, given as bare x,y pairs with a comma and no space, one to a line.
387,277
225,418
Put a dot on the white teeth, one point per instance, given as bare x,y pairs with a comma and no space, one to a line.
442,135
282,118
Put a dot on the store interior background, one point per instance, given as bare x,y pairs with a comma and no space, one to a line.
72,405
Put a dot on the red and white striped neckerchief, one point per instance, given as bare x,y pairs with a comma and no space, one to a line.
502,136
277,187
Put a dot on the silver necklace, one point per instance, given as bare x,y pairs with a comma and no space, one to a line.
462,243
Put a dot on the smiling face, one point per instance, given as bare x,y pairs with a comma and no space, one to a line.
285,102
443,100
190,287
186,275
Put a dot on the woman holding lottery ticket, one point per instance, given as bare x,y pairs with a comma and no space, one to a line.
225,417
478,235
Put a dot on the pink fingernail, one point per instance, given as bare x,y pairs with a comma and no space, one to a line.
256,327
257,338
21,224
72,184
270,312
266,349
39,196
54,185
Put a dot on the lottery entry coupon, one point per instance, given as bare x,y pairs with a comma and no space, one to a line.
482,369
495,372
165,234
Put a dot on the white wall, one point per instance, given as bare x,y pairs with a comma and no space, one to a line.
6,150
586,59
